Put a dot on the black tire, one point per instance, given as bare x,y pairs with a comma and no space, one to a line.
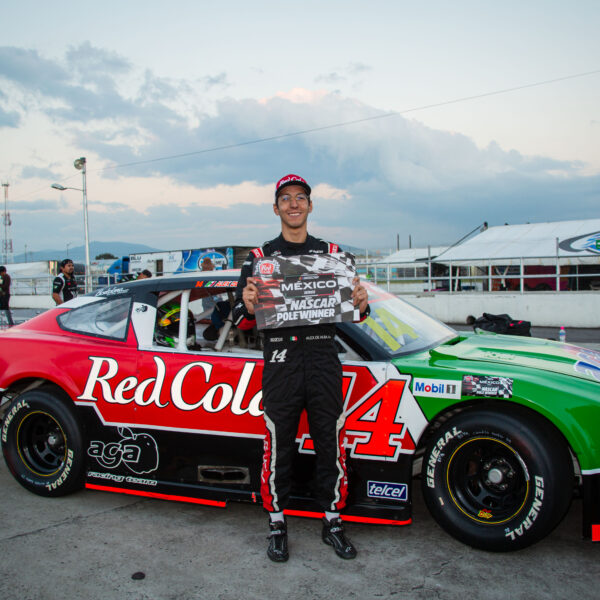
497,480
42,443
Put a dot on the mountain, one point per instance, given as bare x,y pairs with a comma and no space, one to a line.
77,253
118,249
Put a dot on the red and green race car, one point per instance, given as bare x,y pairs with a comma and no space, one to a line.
121,391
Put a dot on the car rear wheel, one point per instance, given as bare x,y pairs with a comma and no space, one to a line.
42,443
496,480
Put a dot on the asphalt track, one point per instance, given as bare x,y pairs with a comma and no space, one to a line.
90,544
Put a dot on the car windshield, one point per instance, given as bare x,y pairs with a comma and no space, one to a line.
400,328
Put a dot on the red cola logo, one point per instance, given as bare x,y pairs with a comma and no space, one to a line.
104,377
267,268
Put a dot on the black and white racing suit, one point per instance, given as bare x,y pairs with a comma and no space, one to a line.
301,371
65,287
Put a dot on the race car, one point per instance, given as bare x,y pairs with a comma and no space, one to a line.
136,388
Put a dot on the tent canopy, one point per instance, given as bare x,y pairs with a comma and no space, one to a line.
572,242
411,255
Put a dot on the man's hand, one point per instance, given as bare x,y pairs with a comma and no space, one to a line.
250,294
360,296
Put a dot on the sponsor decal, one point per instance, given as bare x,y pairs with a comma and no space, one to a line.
111,292
494,387
138,452
217,284
437,388
588,242
442,441
533,513
215,399
122,478
588,361
387,490
268,267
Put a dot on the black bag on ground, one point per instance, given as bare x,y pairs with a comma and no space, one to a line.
502,324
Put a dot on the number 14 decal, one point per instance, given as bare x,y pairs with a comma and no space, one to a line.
278,355
385,423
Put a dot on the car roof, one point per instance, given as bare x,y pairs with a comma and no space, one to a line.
204,282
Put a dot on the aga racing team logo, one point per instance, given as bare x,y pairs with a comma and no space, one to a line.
136,451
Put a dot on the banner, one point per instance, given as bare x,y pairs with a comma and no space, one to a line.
309,289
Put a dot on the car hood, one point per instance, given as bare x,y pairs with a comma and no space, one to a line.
536,353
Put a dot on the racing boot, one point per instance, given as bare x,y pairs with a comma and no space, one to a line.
333,534
278,546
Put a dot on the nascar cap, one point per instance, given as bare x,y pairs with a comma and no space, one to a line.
291,179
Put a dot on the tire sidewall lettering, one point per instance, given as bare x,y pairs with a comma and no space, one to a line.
10,415
69,474
438,452
539,458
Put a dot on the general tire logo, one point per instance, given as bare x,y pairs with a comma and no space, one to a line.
138,452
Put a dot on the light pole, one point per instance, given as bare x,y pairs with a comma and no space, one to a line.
80,165
68,244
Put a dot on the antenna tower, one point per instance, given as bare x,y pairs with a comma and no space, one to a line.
7,247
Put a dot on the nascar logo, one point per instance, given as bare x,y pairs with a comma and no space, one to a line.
387,490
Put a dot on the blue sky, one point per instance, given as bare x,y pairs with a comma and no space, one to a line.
133,82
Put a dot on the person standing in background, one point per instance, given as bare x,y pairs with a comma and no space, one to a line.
64,287
5,294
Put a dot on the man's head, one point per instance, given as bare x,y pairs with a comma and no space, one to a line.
2,270
145,274
66,266
292,201
207,264
288,180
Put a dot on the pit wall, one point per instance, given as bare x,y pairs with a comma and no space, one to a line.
543,309
36,302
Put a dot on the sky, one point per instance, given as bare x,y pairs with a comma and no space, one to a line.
411,121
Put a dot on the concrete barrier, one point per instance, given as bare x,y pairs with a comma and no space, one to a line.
543,309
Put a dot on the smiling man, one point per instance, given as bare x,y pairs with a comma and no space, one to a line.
301,371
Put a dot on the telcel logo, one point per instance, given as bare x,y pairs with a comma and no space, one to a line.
387,490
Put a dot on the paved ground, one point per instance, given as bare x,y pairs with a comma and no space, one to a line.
88,546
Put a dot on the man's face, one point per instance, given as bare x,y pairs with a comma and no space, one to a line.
68,268
293,206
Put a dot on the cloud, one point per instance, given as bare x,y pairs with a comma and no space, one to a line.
9,118
30,172
166,169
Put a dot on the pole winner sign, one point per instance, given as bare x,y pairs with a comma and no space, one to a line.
304,290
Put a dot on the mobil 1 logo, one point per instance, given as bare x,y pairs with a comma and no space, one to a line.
437,388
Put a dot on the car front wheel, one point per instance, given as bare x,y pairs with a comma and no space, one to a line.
42,443
497,478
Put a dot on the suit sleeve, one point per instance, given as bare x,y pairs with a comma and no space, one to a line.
242,319
57,285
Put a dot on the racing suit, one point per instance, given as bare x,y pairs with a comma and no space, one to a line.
301,371
65,287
